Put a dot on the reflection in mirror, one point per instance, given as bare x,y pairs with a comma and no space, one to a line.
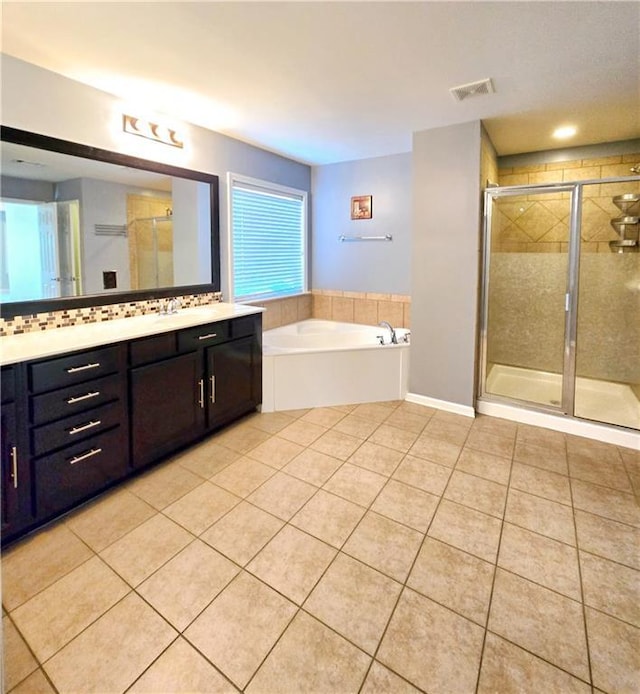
74,226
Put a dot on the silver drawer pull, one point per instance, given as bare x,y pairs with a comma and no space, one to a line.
84,427
208,336
212,381
14,466
79,398
73,369
84,456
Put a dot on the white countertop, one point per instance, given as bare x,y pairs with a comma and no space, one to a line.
47,343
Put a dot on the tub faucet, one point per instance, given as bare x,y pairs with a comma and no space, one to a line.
385,324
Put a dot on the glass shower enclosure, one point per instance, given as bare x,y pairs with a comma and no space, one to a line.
561,299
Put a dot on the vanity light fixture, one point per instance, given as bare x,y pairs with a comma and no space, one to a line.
152,131
565,132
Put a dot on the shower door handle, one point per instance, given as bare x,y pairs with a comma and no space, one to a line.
567,302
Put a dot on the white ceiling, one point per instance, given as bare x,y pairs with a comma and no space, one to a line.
323,82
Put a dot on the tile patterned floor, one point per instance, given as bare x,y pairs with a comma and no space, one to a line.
378,548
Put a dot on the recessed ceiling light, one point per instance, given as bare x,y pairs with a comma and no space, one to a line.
565,132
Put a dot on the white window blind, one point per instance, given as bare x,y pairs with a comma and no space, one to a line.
268,240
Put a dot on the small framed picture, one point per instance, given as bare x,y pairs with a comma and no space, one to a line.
362,207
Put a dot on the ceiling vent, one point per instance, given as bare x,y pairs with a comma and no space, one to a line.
465,91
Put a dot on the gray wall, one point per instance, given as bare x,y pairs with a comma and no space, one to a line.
445,262
371,266
23,189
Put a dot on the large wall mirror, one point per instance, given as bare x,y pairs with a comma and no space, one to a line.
81,226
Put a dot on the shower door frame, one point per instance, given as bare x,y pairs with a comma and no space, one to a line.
567,406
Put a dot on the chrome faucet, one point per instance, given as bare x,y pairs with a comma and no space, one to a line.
171,306
385,324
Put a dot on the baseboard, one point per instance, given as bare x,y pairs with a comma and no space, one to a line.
456,408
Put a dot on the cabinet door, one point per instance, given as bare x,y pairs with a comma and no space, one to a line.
167,406
230,388
15,480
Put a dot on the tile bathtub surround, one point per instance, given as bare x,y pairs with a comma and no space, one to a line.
383,547
362,307
95,314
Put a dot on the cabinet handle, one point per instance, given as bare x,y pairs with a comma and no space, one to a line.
209,336
79,398
73,369
201,399
212,381
84,456
14,466
84,427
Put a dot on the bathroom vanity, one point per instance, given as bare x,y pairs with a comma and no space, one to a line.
86,406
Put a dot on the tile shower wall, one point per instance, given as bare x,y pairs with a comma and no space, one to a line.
527,225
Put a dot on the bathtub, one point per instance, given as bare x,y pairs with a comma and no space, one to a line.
319,363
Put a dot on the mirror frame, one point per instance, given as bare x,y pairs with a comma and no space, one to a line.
52,144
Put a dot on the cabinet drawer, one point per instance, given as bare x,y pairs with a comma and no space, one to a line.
68,401
202,336
83,366
244,327
78,427
70,475
8,384
150,349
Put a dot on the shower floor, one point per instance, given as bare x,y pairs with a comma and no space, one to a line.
601,401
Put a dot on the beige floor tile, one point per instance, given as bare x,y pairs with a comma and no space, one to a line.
242,533
541,437
276,452
311,658
207,458
243,477
356,426
533,480
282,495
417,472
615,653
324,416
109,518
435,450
313,467
540,559
590,448
131,623
417,409
381,680
541,621
36,683
18,660
466,529
182,670
460,420
453,578
405,504
241,437
237,639
486,465
495,425
609,539
186,584
200,508
540,515
611,588
303,433
60,612
354,600
139,553
271,422
409,421
356,484
476,492
377,458
605,502
490,443
336,444
384,545
328,517
450,432
508,669
292,562
38,561
394,437
604,472
552,459
374,411
432,647
164,484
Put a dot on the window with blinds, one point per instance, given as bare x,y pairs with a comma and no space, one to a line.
268,239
